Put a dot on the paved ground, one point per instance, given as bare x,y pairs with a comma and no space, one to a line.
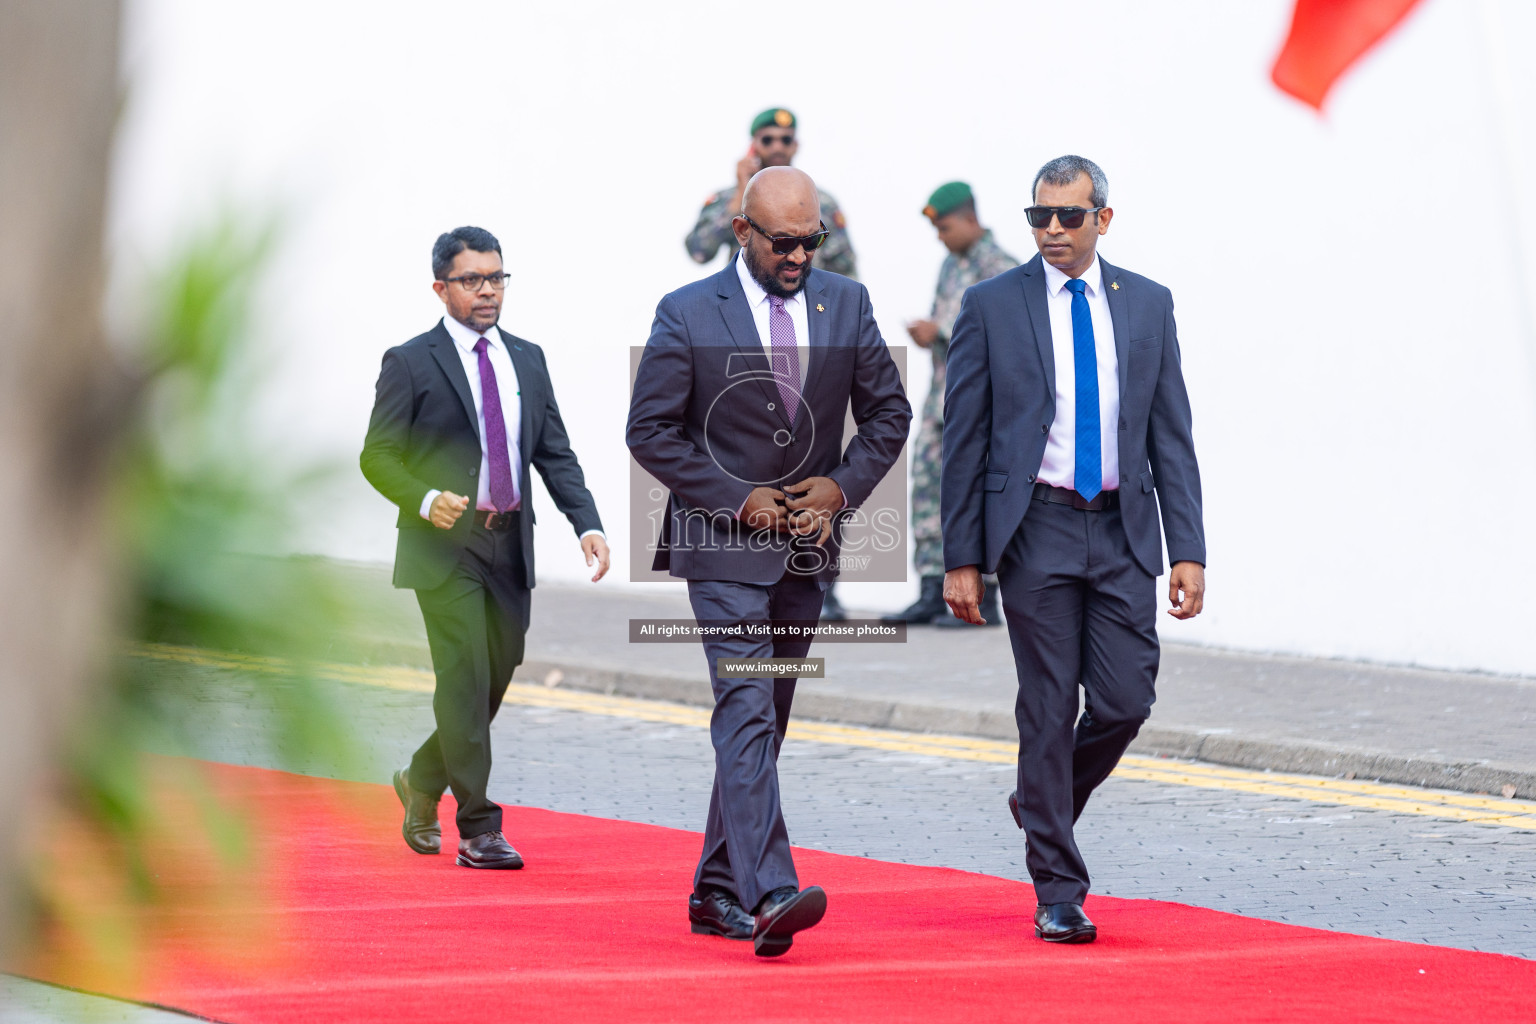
1373,872
1350,869
1461,731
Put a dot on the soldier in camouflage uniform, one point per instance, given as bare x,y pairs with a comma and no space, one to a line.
773,145
973,257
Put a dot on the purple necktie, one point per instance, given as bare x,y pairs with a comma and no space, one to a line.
503,487
785,354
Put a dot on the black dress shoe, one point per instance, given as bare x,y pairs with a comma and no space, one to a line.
1063,922
421,831
718,913
783,912
488,850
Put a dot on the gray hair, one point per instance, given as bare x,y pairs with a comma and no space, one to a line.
1064,170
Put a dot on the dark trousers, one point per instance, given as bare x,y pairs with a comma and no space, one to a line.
746,846
1080,612
475,630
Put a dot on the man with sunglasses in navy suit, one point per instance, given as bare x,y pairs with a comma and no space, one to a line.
738,409
1066,426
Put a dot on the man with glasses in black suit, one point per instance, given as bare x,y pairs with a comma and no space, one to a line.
1066,425
461,415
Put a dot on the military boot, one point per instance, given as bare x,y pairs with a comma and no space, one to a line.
928,606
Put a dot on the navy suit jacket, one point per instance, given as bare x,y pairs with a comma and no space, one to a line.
1000,401
424,435
707,420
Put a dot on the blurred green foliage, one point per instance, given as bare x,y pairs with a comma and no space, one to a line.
199,505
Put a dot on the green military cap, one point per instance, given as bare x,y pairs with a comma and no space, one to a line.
772,116
947,198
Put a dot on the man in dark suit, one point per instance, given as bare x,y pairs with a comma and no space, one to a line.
1066,424
468,407
738,409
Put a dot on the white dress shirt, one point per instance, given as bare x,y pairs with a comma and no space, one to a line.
1060,464
757,301
510,391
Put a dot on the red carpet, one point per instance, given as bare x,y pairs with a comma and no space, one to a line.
348,925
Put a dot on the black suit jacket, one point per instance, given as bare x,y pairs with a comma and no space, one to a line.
424,435
707,420
1000,400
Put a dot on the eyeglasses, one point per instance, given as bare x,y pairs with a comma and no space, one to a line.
472,282
1070,216
782,140
783,245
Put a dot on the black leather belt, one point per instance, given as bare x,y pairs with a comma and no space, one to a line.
496,520
1066,496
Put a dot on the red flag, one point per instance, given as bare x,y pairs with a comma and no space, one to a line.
1327,36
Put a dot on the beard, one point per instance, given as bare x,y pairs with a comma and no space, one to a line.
764,270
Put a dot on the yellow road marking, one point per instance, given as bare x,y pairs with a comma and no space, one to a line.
1340,792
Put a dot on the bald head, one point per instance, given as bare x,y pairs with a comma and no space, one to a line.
783,203
783,200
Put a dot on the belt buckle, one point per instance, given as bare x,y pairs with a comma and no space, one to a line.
495,520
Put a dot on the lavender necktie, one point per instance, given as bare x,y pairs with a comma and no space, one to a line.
503,486
785,354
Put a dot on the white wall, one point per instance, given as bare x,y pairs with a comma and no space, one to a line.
1361,364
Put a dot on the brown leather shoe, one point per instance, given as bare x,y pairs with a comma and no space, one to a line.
421,831
488,850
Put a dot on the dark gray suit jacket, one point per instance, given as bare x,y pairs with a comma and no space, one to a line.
1000,400
424,435
707,420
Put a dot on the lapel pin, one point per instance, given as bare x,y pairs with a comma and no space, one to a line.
820,308
1115,285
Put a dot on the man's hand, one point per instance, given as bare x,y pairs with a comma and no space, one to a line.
595,547
962,592
1188,577
745,168
764,509
446,509
812,512
923,333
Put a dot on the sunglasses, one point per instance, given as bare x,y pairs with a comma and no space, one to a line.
1070,216
783,245
769,140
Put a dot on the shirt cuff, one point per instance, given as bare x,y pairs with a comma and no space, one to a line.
590,533
426,505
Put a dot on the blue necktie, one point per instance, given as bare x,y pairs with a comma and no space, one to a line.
1088,473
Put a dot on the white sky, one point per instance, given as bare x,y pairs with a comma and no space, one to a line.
1349,301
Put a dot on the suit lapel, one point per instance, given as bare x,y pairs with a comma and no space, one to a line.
529,385
743,330
1119,315
1040,319
447,355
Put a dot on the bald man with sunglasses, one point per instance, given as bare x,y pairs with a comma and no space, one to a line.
738,409
1066,426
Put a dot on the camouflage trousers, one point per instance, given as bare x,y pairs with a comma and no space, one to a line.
927,530
927,526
